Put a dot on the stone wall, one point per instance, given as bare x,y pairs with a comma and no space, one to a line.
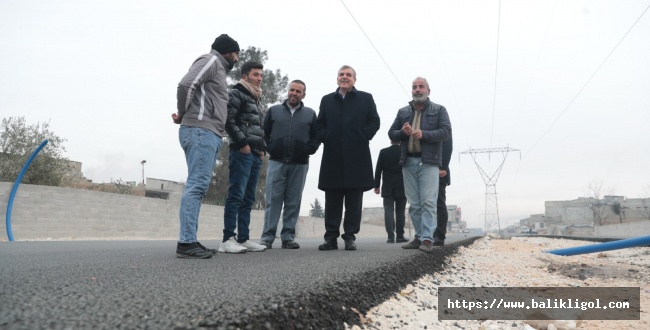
41,213
579,211
628,229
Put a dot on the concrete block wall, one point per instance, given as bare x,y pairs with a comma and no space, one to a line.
627,229
41,213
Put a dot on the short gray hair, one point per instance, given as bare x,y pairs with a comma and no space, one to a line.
354,73
422,78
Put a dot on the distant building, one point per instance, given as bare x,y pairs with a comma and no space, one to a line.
74,174
580,216
163,189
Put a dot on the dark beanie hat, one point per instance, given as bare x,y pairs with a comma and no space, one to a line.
225,44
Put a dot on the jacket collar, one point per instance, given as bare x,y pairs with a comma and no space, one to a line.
286,105
222,59
242,89
426,104
337,94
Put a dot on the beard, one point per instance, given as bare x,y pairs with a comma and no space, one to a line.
419,98
293,102
231,64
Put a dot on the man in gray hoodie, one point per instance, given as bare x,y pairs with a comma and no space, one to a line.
202,108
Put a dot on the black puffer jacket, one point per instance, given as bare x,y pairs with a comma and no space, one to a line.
244,121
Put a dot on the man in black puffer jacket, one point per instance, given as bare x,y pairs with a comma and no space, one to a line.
247,147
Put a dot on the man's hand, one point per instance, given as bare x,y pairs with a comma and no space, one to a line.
407,129
376,190
442,173
417,134
176,118
245,150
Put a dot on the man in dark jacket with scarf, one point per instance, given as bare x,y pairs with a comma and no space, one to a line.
290,135
247,147
422,126
347,121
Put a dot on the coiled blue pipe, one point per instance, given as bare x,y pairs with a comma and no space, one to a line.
615,245
15,188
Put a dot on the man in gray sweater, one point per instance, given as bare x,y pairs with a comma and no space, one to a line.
202,107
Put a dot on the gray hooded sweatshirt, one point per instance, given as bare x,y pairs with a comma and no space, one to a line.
202,94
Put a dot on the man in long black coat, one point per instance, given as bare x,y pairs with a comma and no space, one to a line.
392,191
347,121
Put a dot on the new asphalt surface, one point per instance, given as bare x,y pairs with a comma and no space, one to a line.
142,285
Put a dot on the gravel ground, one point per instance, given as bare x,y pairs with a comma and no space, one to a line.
517,262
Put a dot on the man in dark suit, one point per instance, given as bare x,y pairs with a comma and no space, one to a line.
392,191
440,233
346,123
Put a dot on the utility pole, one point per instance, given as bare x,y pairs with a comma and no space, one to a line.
491,203
142,162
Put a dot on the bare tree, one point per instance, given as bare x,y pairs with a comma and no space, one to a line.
645,201
599,205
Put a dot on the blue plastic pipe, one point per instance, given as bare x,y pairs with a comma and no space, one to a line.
615,245
15,188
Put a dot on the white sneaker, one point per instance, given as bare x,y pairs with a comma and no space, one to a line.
253,247
231,246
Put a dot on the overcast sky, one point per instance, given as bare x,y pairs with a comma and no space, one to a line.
555,79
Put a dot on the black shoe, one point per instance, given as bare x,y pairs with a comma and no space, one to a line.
268,244
402,239
192,251
390,240
328,245
213,251
438,241
349,244
290,245
415,244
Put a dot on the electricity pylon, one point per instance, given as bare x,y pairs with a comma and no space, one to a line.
491,204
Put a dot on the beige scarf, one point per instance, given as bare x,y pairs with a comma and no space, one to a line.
254,90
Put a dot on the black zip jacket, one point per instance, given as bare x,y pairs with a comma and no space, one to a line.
290,138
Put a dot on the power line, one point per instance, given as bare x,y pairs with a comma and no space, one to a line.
588,81
376,50
533,74
496,71
459,111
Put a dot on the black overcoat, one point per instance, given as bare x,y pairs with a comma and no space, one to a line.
388,166
345,127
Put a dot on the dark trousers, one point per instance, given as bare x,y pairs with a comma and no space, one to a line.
443,216
334,199
394,215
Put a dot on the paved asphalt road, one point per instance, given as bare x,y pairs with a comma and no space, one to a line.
142,285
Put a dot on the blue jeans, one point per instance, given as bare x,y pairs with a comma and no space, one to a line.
421,187
284,185
201,147
244,172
